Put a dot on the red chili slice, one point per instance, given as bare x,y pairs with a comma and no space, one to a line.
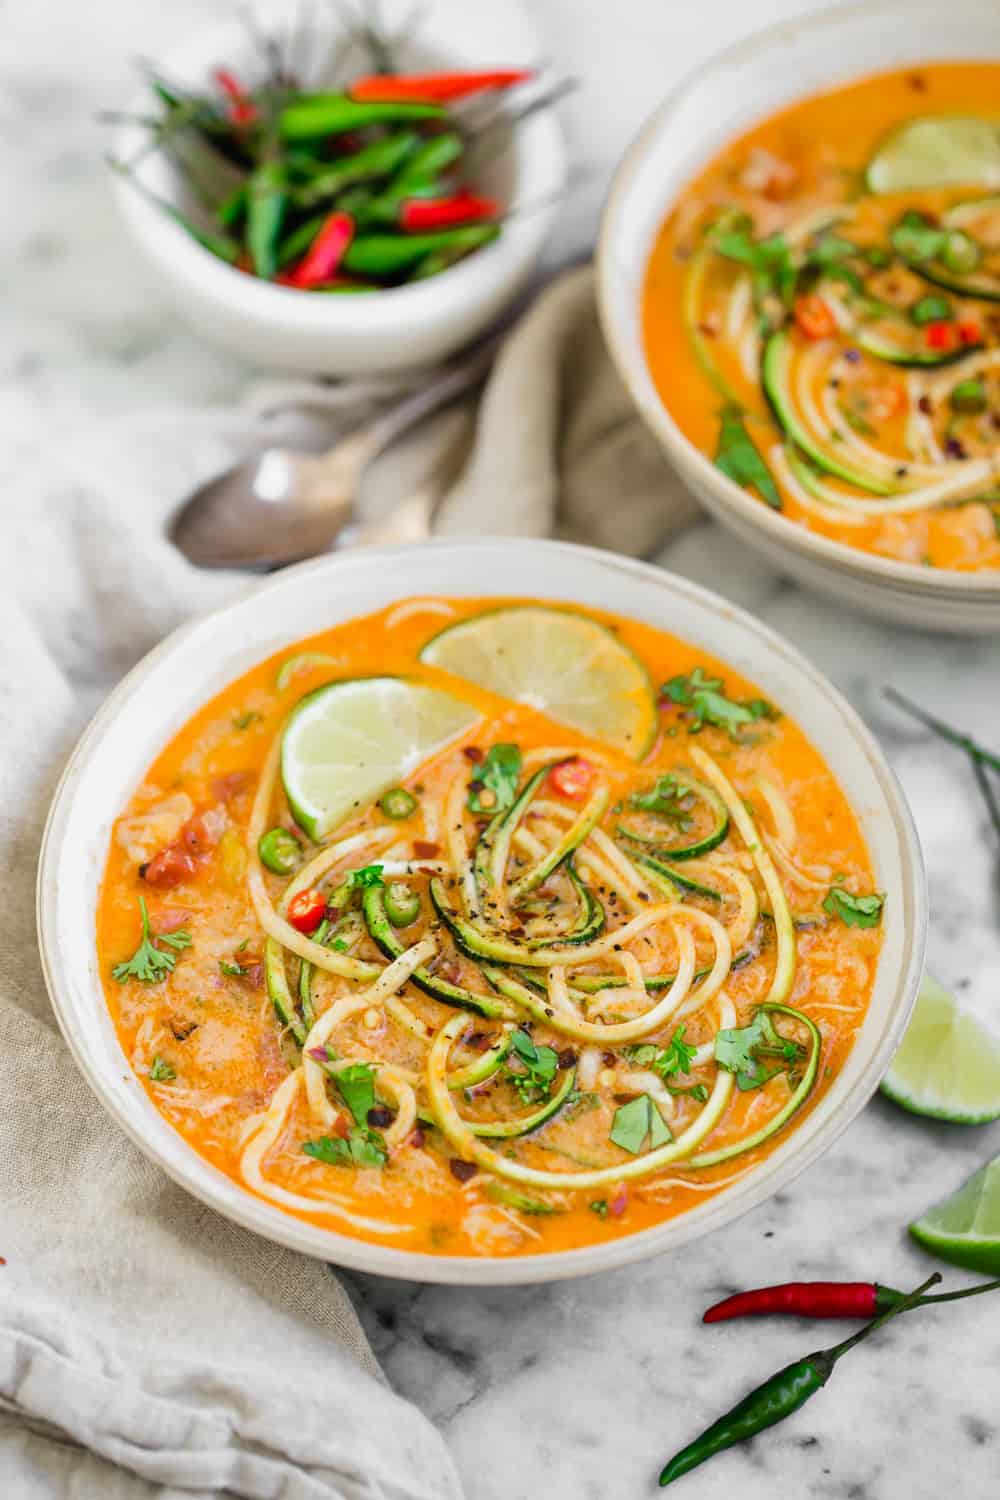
307,909
572,778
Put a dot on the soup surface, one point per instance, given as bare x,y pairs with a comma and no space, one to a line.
822,314
540,941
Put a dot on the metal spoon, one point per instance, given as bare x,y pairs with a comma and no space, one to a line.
283,505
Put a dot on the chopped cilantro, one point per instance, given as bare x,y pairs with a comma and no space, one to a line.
149,963
635,1122
362,1148
161,1071
741,1050
667,799
493,782
738,458
539,1065
356,1086
854,911
231,970
706,699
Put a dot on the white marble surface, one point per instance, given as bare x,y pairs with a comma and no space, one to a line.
575,1390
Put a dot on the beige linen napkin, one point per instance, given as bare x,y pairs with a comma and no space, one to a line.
148,1347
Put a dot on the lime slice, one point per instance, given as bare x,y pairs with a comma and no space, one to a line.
965,1228
937,151
562,663
948,1066
349,741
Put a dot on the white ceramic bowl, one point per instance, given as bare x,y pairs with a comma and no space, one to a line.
197,661
385,332
723,98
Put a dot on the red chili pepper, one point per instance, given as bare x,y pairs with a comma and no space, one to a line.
241,110
825,1299
941,335
440,213
572,778
325,253
433,88
970,333
814,318
307,910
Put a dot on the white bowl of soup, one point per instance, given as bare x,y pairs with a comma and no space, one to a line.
799,274
481,914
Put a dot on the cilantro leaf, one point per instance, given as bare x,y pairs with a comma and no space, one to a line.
829,256
637,1120
931,309
916,238
741,1050
667,799
739,459
707,700
493,782
362,1148
854,911
231,970
769,260
149,963
356,1086
676,1057
356,880
539,1065
160,1071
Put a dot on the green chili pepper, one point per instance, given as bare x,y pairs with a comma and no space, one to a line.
317,115
402,906
279,851
960,252
232,208
440,260
433,157
968,397
265,215
393,254
298,241
397,803
778,1397
380,159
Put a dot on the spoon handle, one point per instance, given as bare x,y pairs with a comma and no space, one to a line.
460,378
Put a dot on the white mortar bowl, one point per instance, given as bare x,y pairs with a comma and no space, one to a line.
384,332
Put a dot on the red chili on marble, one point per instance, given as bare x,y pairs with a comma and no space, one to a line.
826,1299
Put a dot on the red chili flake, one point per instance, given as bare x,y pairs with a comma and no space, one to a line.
473,753
417,1138
609,1059
426,849
618,1201
917,82
380,1118
567,1058
2,1261
970,333
925,405
463,1170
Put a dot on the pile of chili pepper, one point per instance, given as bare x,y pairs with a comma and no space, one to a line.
346,191
782,1395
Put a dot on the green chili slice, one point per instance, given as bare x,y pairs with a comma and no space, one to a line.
402,905
279,851
397,803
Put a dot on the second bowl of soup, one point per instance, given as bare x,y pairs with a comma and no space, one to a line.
806,302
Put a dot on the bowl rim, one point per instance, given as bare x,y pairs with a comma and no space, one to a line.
538,158
695,467
264,1218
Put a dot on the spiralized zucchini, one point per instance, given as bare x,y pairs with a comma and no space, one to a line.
555,929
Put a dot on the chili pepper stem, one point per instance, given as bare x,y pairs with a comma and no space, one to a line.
954,736
968,1291
912,1299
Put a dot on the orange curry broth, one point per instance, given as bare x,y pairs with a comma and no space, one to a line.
825,141
234,1055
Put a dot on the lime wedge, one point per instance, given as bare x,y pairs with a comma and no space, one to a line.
948,1066
965,1228
349,741
937,151
562,663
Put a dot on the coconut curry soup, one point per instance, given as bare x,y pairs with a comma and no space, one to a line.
822,314
539,941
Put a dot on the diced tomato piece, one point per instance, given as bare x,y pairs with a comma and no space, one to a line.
942,335
970,333
172,866
572,778
814,318
307,909
203,831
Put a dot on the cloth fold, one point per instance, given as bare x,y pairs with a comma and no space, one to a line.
147,1346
